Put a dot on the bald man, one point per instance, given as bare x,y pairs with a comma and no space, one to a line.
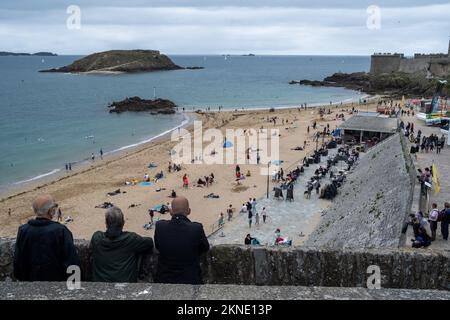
44,248
180,243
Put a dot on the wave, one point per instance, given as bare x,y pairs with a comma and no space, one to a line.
183,123
38,177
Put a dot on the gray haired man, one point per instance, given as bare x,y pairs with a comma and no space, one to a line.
115,252
44,248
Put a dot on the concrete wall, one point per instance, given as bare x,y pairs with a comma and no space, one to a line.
302,266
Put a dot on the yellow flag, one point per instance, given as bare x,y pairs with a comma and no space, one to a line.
403,102
435,179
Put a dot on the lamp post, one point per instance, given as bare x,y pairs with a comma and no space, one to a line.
268,166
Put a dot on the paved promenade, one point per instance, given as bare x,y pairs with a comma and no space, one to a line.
442,162
296,219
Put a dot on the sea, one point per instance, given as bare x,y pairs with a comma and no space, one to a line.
50,119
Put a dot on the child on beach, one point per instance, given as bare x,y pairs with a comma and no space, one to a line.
185,181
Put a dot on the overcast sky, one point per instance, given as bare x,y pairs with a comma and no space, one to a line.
232,27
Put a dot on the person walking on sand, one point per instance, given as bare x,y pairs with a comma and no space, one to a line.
230,212
185,181
264,214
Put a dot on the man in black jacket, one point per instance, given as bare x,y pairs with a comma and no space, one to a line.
44,248
180,243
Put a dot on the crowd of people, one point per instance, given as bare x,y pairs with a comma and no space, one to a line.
425,228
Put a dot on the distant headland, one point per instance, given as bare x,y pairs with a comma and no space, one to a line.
120,61
40,54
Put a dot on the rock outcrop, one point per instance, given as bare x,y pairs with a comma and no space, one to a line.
157,106
395,84
120,61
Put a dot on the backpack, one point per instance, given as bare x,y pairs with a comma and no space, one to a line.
441,215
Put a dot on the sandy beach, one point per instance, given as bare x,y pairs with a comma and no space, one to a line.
78,192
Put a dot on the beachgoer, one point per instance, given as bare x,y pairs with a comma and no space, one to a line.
250,218
221,220
185,181
59,215
93,156
445,221
180,243
44,249
264,214
115,253
230,212
101,154
433,220
151,213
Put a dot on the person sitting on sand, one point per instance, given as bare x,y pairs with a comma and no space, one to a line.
146,178
200,182
115,253
173,194
248,174
249,240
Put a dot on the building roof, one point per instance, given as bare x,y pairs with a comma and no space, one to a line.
370,123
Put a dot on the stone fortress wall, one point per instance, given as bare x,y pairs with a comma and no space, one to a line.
437,65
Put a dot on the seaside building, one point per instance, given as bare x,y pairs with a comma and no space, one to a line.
361,129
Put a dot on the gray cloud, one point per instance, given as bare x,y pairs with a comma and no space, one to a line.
214,27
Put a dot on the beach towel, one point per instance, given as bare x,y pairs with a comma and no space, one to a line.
277,162
145,184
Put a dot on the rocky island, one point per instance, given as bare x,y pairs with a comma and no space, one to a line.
157,106
120,61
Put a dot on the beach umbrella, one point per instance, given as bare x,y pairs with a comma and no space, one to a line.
227,144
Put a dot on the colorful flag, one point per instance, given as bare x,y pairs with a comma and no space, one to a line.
403,102
435,179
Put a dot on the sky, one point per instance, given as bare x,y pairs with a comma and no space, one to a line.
285,27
